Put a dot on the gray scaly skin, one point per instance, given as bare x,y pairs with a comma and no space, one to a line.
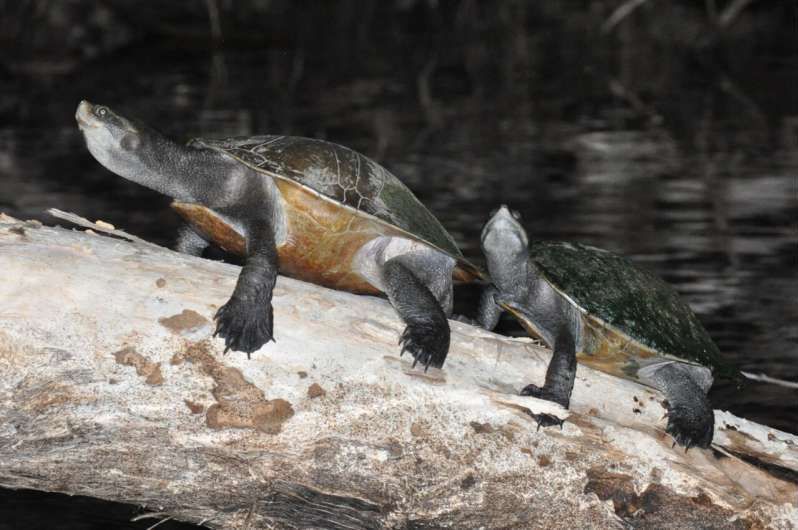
252,203
518,284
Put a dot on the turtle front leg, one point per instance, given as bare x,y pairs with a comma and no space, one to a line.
190,242
427,334
246,321
691,420
489,312
560,374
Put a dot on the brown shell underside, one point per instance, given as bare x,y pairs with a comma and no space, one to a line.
604,348
322,239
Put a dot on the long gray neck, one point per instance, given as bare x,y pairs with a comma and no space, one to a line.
181,172
510,273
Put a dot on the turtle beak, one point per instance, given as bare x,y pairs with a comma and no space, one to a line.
85,117
502,213
503,221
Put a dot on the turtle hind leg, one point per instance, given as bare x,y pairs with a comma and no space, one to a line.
246,321
691,420
190,242
427,334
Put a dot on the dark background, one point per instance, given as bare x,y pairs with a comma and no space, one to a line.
668,133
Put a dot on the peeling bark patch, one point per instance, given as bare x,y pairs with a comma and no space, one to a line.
434,376
544,461
239,403
418,429
315,390
758,461
50,395
144,367
188,320
657,506
195,408
299,506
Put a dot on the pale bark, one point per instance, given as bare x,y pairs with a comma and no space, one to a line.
111,386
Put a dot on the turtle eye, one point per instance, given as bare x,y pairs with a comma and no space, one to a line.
516,214
101,112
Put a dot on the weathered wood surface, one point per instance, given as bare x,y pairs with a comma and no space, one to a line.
111,386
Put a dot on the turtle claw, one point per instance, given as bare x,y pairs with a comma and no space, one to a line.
547,420
691,426
428,344
244,327
543,420
543,393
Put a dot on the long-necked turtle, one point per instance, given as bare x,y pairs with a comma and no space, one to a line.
622,320
324,213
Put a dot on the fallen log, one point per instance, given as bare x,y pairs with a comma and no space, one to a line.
111,386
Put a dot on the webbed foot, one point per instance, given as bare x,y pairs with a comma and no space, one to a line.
691,425
245,326
427,343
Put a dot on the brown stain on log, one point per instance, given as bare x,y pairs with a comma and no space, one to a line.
187,320
315,390
481,428
239,403
658,506
195,408
321,242
50,395
144,367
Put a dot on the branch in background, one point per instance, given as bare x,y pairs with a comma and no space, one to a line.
620,13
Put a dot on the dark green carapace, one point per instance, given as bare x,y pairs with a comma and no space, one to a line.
629,298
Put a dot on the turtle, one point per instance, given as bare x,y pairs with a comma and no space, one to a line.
312,209
621,319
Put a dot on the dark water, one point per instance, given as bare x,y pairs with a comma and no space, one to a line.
680,156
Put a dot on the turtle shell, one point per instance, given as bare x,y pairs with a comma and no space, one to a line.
336,201
631,318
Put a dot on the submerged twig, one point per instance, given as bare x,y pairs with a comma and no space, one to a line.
620,13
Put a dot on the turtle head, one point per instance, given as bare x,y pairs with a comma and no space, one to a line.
503,233
505,244
113,140
128,148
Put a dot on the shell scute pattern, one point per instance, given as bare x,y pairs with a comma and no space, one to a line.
629,298
341,174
